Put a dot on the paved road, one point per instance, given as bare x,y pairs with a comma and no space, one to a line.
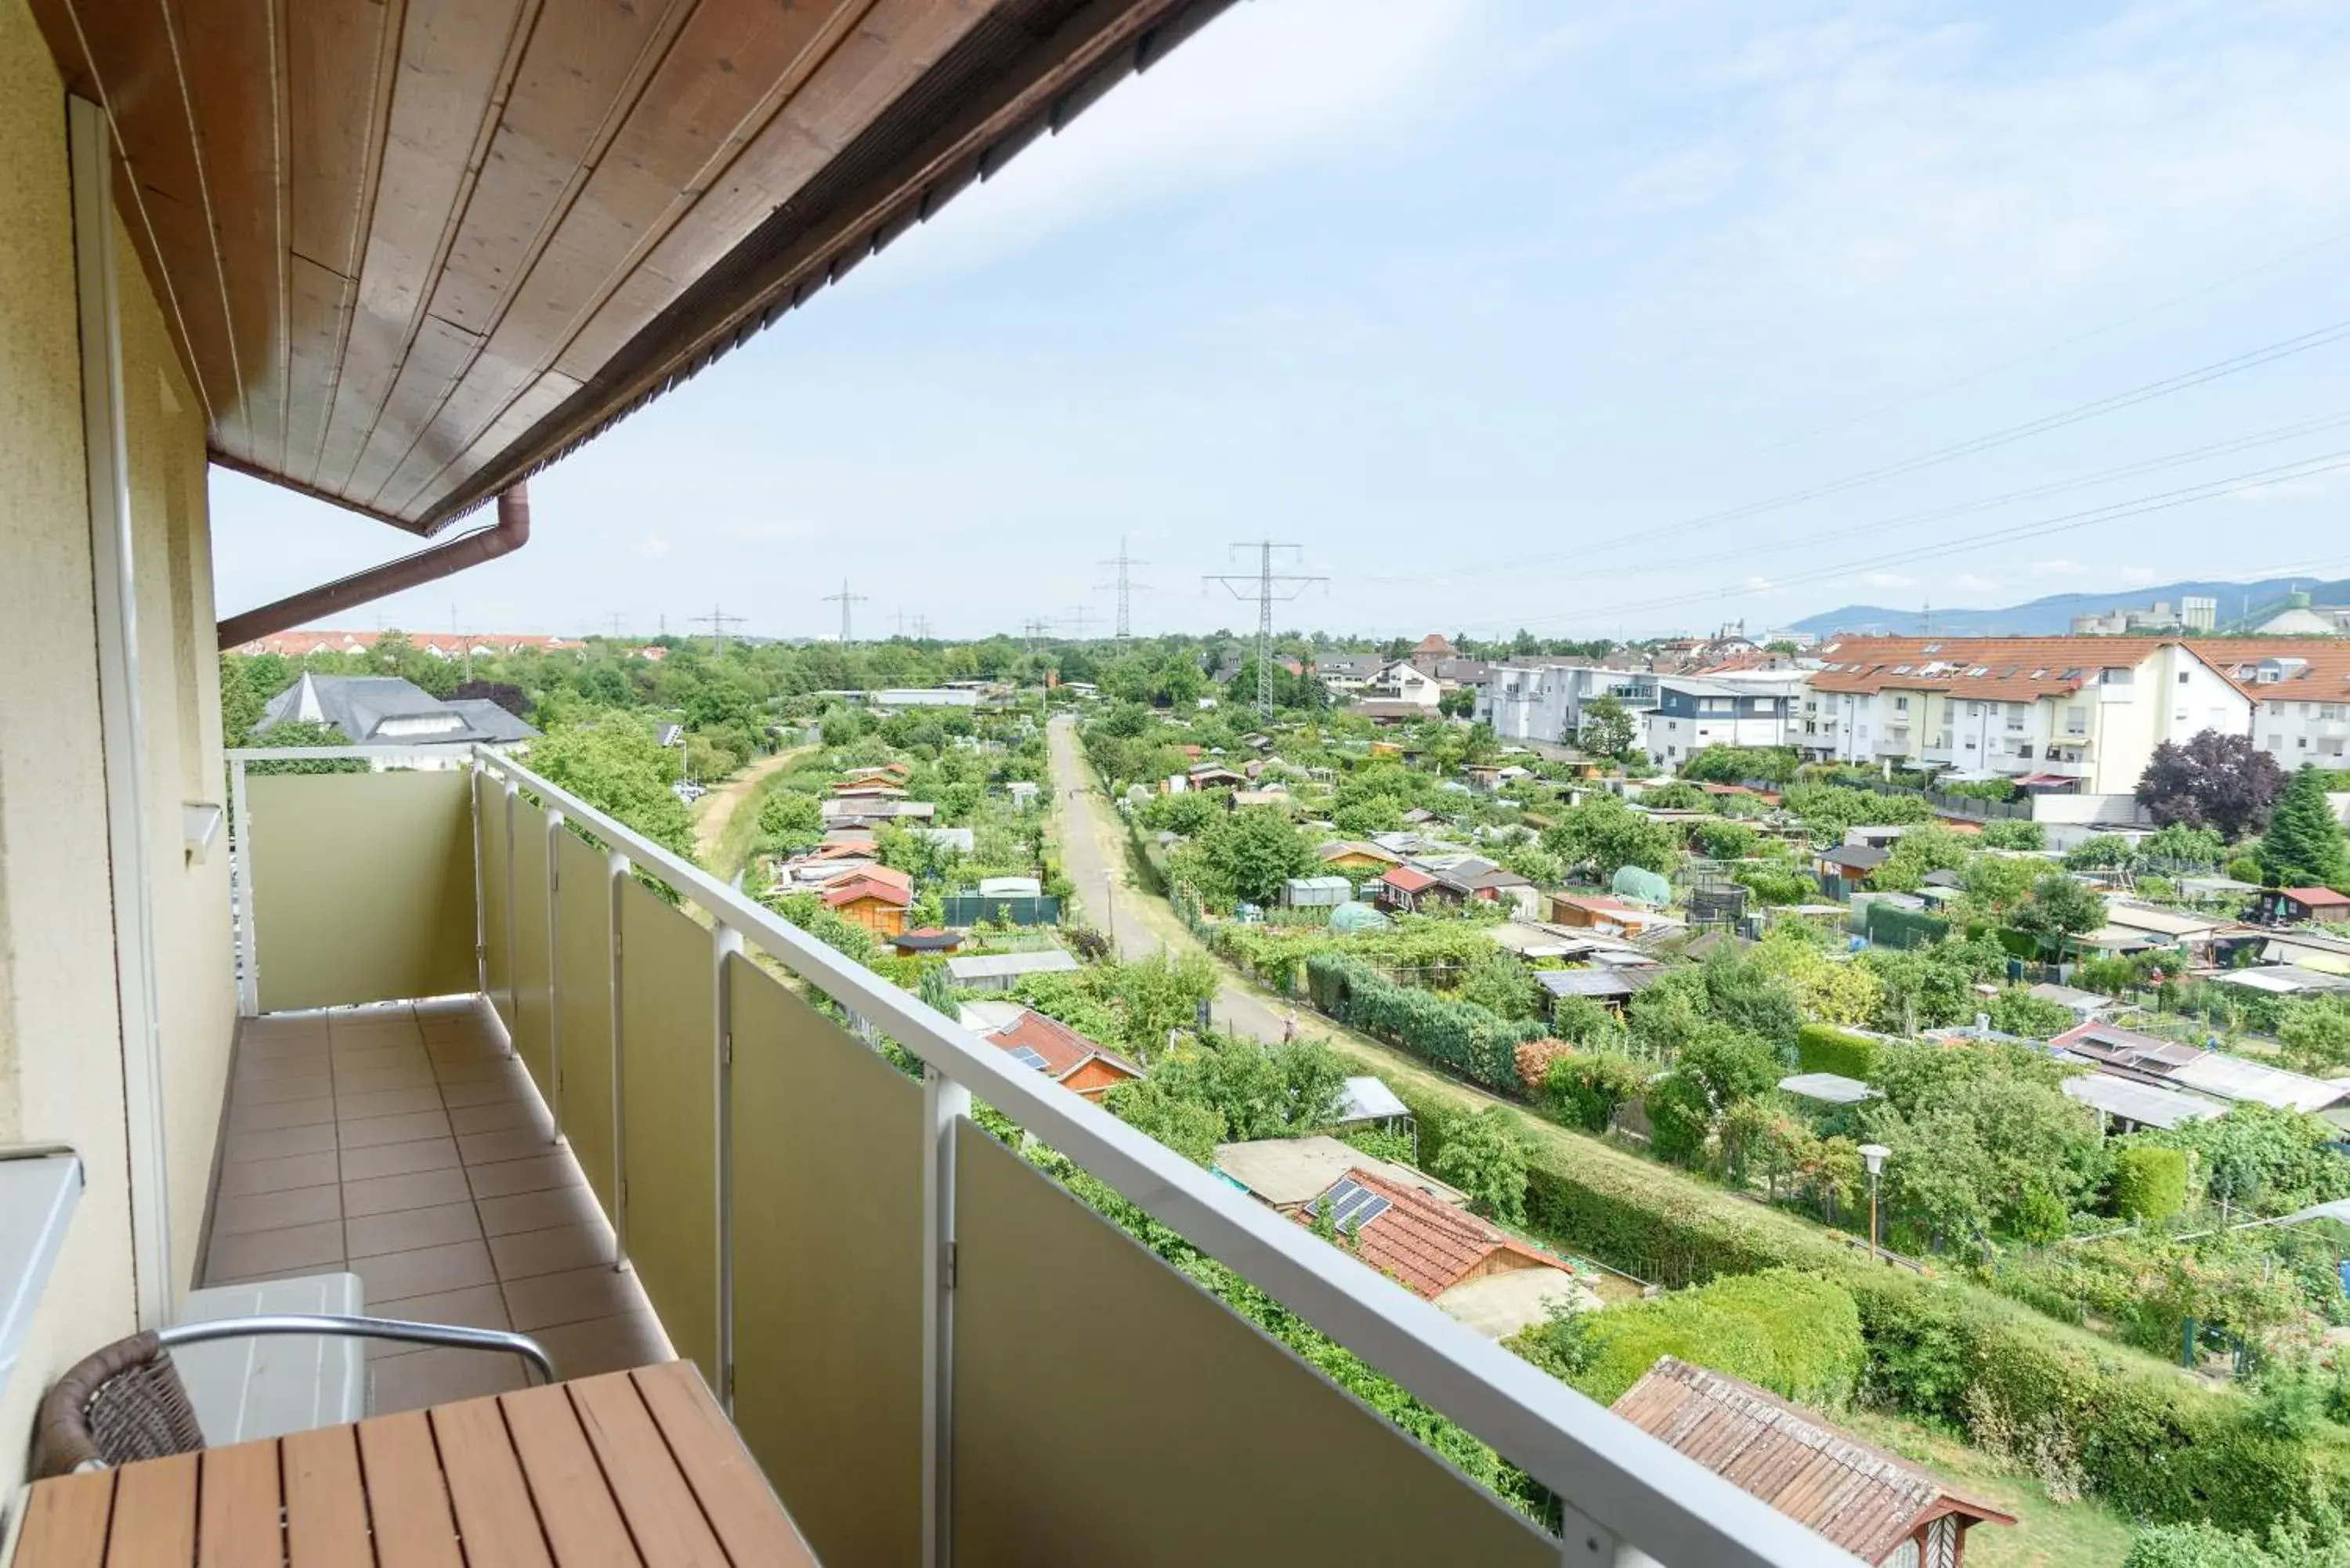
1093,853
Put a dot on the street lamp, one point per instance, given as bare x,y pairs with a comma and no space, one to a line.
1874,1154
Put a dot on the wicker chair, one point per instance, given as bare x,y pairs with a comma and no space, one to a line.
126,1401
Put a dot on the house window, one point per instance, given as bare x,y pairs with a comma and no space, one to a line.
2274,709
1901,704
2077,720
2116,677
2023,750
2276,742
2329,711
1974,709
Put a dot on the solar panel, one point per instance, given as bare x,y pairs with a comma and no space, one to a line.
1028,1058
1351,1205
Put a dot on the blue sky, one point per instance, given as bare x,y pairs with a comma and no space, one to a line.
1493,307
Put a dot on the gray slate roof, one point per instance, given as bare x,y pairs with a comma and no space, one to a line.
385,710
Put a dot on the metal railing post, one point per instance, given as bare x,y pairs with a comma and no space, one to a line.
615,866
726,946
240,863
945,1104
513,997
554,972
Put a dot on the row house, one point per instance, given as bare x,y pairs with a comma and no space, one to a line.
2085,713
1747,708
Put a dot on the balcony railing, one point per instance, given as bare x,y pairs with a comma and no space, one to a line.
935,1351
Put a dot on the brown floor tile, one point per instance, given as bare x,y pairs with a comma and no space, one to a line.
604,1345
277,1175
287,1064
501,1114
488,1091
523,1254
297,1250
442,1378
277,1143
512,1175
278,1026
547,1210
511,1143
427,1270
389,1059
277,1090
275,1211
406,1229
390,1194
386,1103
243,1118
575,1295
365,1080
476,1306
369,1132
399,1158
475,1069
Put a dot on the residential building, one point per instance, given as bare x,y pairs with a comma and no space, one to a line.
1876,1505
1692,713
1345,675
437,644
1473,1270
1082,1066
2300,693
386,711
400,258
1544,702
1402,681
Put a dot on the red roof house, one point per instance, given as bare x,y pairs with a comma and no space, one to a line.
1475,1270
876,898
1401,888
1063,1054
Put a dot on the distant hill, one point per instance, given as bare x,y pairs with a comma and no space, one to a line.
2053,615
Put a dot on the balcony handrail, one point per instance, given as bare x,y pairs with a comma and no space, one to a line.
1616,1483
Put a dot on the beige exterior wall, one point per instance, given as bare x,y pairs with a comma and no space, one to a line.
62,1077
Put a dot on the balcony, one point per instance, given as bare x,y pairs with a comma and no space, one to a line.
934,1349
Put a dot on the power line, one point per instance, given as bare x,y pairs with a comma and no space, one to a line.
718,620
2306,468
1079,617
1270,589
844,598
1126,586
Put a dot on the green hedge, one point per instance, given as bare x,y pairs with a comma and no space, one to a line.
2149,1183
2155,1444
1478,1044
1796,1334
1824,1048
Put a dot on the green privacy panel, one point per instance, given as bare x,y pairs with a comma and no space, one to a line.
532,961
1108,1410
585,1100
362,887
669,1117
827,1165
497,948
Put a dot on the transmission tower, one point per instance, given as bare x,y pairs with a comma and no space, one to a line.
844,598
1268,588
1126,586
1078,615
718,620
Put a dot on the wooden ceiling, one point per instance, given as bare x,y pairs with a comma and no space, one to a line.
413,250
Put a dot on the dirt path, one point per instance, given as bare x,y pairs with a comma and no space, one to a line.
713,811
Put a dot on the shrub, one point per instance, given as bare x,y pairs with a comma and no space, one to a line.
2149,1183
2012,832
1822,1049
1794,1334
1460,1036
1585,1090
2195,1546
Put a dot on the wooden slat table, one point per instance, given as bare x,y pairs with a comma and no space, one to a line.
634,1469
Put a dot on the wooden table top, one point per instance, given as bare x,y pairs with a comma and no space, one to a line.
634,1469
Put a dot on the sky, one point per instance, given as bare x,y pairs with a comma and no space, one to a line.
1603,319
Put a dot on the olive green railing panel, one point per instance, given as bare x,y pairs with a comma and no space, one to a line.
669,1118
532,961
497,954
583,1100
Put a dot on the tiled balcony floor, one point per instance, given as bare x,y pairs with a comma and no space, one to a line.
402,1144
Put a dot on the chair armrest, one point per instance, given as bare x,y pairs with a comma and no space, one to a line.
441,1333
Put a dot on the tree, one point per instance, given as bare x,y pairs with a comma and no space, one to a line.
1607,728
2304,846
2013,833
1260,851
2180,844
302,733
2059,908
506,694
1585,1089
1485,1156
613,762
1605,833
2215,780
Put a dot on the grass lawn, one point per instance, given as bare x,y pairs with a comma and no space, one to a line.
2085,1534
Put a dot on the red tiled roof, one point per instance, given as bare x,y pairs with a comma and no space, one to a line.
1856,1496
1064,1049
1408,879
873,882
2314,896
2023,669
1428,1246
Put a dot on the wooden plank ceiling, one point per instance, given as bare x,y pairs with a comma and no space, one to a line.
413,250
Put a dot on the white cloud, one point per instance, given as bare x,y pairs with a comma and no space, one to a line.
1264,85
1758,585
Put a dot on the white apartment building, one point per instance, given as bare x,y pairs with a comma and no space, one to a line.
1742,708
1545,702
